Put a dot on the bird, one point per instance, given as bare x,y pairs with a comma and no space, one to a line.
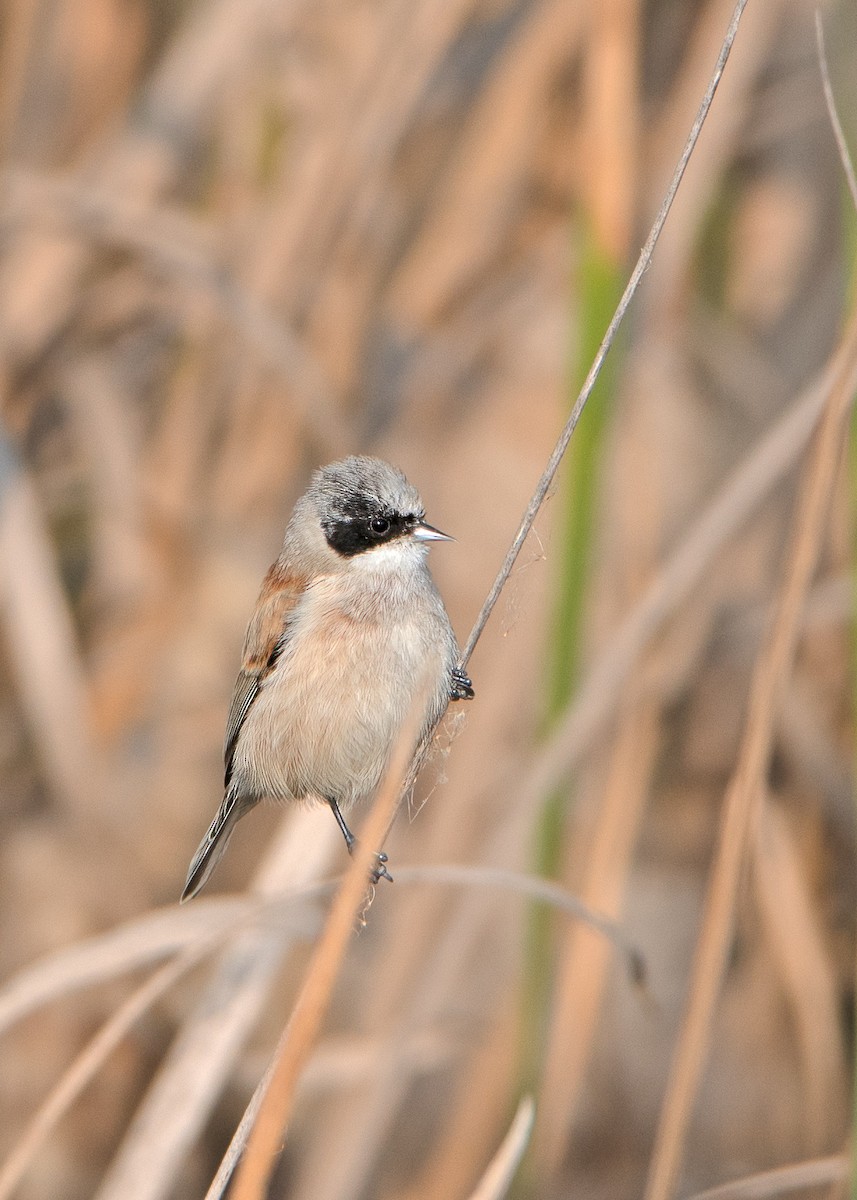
348,628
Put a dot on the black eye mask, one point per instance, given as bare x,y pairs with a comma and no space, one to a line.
359,526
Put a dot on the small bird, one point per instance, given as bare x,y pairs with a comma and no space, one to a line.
348,627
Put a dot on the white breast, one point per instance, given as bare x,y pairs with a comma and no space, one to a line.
327,716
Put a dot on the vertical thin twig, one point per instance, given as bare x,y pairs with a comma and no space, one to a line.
744,795
594,371
832,112
547,476
305,1022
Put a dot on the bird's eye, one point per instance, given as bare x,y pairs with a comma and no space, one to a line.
379,526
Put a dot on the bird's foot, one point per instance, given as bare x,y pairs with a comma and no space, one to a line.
379,871
461,687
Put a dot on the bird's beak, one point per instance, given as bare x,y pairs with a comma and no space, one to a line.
428,533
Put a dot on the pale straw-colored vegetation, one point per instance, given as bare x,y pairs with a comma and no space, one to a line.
239,238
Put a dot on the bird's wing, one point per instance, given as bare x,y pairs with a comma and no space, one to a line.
267,634
210,849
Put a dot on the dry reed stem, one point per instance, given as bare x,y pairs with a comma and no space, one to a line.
830,101
734,503
303,1027
496,1181
471,202
642,265
480,878
174,110
582,961
184,250
610,120
192,1076
531,887
722,134
238,1141
19,34
478,1107
438,948
90,1060
42,645
165,932
556,457
127,948
373,1125
743,797
797,1177
433,959
797,943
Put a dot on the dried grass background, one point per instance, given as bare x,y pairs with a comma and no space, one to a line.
239,238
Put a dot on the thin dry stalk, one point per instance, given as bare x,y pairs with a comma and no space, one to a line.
477,1109
387,1096
40,635
735,502
796,1177
611,118
141,942
556,457
797,944
305,1022
182,249
87,1064
721,136
238,1142
192,1076
496,1180
440,955
531,887
582,969
832,112
19,34
437,947
128,948
526,886
744,795
471,207
642,265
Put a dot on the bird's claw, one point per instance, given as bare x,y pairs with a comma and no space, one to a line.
461,687
380,871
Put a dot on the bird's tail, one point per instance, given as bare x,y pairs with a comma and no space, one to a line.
214,843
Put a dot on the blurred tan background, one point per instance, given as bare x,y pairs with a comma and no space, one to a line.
240,238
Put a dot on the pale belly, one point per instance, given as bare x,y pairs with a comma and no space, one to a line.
326,719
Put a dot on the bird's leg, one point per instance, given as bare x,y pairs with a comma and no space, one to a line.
350,839
460,687
378,872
